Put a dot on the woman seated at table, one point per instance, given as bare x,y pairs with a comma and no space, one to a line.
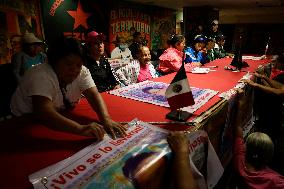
194,54
98,64
49,88
171,59
138,70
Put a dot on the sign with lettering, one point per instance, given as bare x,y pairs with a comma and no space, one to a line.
138,159
125,20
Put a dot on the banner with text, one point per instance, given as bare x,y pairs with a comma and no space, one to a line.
125,21
137,160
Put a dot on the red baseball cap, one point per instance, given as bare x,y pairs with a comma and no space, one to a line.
94,37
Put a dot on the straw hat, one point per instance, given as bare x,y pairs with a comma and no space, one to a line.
31,38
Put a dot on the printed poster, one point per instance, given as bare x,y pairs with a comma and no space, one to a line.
154,93
139,159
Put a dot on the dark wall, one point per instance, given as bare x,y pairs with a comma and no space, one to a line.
96,15
255,37
194,16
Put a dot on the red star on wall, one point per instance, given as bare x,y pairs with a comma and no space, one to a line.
80,17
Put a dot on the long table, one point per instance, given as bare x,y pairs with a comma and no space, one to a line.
27,146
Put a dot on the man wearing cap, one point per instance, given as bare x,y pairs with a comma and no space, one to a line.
98,64
30,55
194,53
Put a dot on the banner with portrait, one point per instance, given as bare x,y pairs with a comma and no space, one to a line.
154,93
137,160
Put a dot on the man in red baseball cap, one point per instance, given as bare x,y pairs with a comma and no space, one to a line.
98,64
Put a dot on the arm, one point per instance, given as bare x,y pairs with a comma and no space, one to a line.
97,103
238,148
183,177
44,110
271,82
267,89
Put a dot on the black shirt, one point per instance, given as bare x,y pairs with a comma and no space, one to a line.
134,48
101,73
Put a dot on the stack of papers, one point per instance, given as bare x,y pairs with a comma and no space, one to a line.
200,70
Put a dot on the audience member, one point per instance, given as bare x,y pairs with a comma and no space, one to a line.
49,88
136,44
251,159
138,70
16,44
214,30
121,51
210,53
171,59
277,68
219,47
30,55
98,64
182,177
194,54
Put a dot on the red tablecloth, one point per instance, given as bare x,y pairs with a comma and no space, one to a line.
27,146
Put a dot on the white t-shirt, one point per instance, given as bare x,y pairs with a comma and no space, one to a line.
41,80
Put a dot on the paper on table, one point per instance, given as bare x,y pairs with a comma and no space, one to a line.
200,70
253,57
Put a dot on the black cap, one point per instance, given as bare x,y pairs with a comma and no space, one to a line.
220,36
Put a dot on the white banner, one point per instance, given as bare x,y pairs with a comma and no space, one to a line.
112,163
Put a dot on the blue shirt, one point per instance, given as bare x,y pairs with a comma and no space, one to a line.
192,56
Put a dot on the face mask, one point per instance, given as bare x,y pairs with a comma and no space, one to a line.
123,46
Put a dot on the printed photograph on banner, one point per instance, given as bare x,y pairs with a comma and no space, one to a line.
139,160
154,93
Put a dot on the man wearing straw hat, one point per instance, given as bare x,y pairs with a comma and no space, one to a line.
30,55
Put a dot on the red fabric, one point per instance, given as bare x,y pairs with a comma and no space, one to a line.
262,179
27,146
171,61
275,73
181,100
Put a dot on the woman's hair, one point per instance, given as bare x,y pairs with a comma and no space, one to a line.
63,47
175,39
141,48
259,149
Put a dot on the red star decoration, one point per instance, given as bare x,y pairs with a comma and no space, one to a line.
80,17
